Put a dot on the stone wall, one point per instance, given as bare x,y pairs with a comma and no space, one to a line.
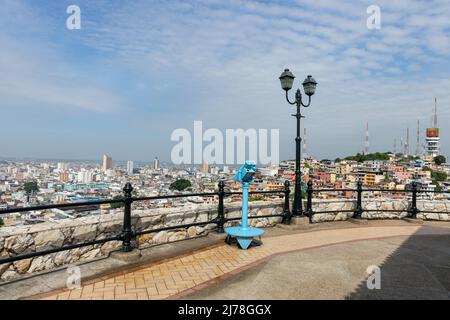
379,204
331,205
24,239
441,206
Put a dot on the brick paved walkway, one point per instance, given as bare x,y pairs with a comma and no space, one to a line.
185,274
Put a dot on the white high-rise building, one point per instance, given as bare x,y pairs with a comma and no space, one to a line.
107,162
85,176
130,165
62,166
214,170
156,164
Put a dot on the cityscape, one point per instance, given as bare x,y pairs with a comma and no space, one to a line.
248,154
33,183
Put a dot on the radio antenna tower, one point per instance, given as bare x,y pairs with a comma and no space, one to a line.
407,142
395,146
418,150
366,147
435,124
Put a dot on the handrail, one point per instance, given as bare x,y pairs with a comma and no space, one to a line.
412,210
60,205
127,233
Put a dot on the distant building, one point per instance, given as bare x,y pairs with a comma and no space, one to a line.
107,162
433,142
215,170
130,165
156,164
63,176
61,166
85,186
432,138
85,176
205,167
368,178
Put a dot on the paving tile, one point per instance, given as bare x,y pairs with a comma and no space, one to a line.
191,272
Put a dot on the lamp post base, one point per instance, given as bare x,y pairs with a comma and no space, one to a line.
300,221
130,256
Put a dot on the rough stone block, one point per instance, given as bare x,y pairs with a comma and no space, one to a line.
84,233
52,238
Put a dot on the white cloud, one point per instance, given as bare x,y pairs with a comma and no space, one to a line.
219,58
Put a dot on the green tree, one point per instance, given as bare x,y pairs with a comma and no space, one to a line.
438,186
31,187
439,160
180,184
117,204
370,156
337,160
438,176
255,197
1,222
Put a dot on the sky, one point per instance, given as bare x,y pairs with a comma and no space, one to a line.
138,70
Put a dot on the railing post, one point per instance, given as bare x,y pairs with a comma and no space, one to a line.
413,211
286,211
358,210
126,231
221,213
309,191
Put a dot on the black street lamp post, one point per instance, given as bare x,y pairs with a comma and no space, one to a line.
309,86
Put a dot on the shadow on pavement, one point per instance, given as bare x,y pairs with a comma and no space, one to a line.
418,269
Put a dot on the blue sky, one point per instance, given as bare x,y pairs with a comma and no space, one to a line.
137,70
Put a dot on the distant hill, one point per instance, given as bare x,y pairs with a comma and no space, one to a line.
370,156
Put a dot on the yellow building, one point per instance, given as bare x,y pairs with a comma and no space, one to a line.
332,177
369,179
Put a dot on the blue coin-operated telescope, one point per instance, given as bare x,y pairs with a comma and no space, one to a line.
244,234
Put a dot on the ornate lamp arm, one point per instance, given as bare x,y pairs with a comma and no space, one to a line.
287,99
309,102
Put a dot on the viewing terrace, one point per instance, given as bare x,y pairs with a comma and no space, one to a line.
170,253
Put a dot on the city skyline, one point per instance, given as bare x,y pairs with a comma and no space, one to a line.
134,73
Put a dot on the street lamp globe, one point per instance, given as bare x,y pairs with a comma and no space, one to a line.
287,80
309,85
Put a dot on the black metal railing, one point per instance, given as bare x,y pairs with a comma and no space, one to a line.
128,234
412,210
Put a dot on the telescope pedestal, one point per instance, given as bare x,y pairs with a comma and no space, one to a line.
244,236
243,233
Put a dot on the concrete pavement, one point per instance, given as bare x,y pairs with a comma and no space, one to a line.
322,263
